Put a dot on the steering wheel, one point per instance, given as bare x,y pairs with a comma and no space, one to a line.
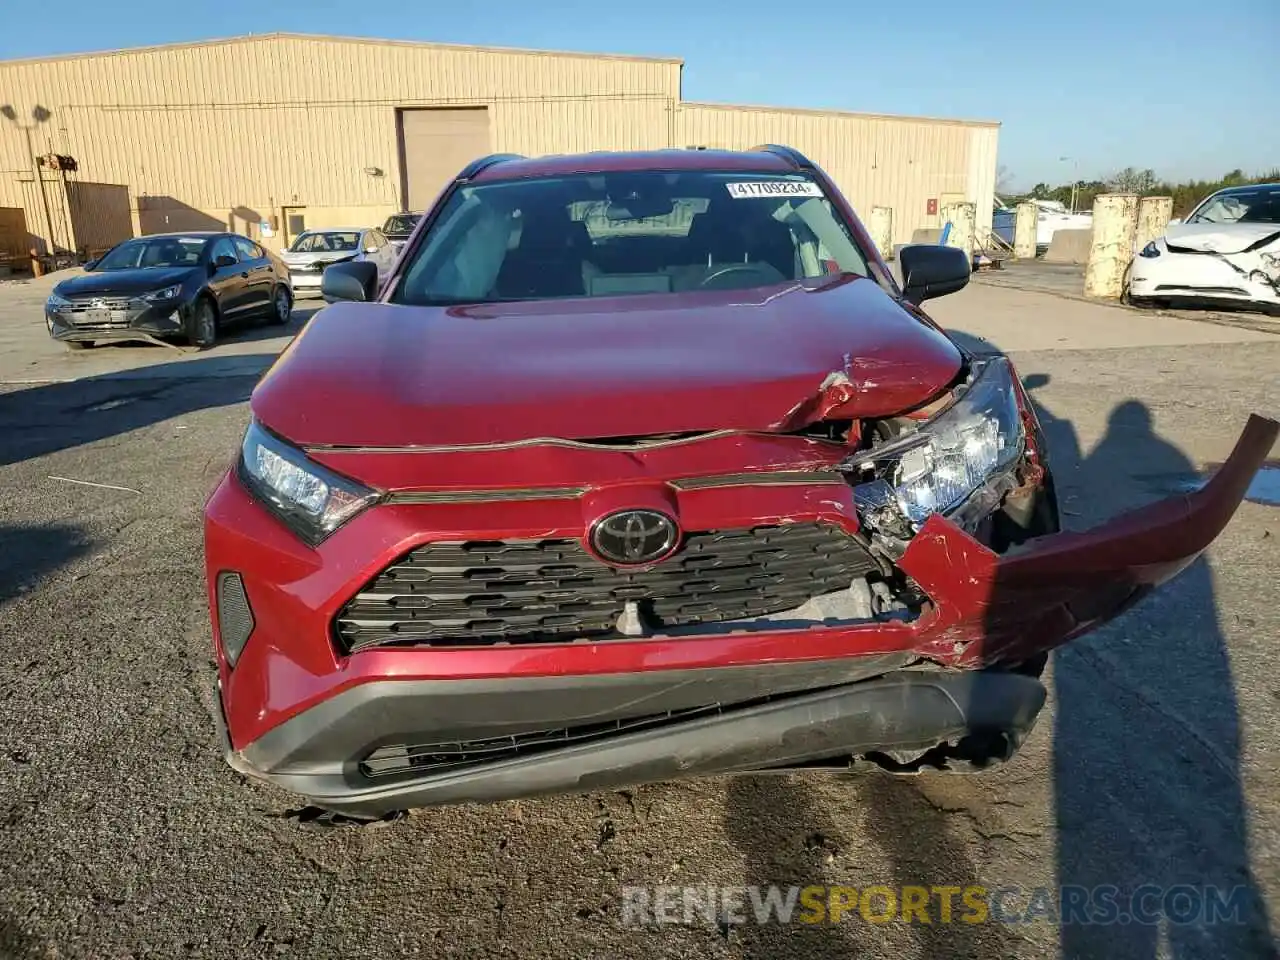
737,268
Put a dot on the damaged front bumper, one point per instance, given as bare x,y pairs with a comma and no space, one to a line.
1204,278
389,728
465,758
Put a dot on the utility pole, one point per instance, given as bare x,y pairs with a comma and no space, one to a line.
1075,179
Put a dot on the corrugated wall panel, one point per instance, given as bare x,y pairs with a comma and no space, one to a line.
232,131
983,151
895,162
235,130
571,126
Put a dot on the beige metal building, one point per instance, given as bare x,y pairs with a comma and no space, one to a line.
272,134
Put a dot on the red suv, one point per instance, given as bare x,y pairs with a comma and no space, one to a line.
643,466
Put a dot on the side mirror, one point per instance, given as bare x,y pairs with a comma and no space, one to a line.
353,280
89,264
372,248
1175,220
224,261
931,270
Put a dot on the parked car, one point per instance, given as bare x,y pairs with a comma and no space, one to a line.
643,466
1226,253
311,252
189,285
399,227
1051,216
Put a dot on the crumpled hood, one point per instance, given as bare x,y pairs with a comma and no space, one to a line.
1219,237
769,359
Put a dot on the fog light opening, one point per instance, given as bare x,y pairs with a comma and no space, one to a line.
235,617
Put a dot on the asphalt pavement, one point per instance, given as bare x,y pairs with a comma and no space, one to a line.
122,834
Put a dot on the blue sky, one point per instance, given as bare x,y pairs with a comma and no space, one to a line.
1181,86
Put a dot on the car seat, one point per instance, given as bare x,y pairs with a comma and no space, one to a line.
548,260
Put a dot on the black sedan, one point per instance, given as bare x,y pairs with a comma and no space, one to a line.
189,285
399,227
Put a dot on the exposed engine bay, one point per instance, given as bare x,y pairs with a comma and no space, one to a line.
973,454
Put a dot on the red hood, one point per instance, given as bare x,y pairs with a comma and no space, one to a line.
368,374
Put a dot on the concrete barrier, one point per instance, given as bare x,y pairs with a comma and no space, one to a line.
1153,218
963,219
1069,246
1024,231
880,226
1115,224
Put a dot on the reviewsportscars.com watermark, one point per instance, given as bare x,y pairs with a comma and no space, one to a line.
1183,905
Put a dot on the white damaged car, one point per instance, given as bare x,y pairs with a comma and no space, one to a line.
1226,253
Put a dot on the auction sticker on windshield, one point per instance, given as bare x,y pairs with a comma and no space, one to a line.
774,188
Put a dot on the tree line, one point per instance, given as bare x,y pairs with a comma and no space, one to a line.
1145,183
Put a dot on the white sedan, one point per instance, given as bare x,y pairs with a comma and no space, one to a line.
314,250
1227,252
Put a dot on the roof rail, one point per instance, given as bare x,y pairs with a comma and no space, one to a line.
789,154
484,163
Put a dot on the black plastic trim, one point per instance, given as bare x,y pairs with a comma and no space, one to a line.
474,168
828,711
790,154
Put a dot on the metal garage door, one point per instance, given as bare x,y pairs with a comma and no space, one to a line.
434,146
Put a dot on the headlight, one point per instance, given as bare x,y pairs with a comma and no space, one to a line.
940,466
56,303
311,500
1150,250
168,293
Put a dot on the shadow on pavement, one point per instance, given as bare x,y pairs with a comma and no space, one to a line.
1166,837
28,554
16,945
922,852
40,420
768,819
1151,816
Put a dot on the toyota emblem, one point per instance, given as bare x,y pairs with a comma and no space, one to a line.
634,537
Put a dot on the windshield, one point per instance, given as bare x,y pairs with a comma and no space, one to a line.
153,252
327,241
402,224
601,235
1240,206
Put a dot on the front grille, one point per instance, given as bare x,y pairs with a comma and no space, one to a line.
1204,291
99,312
546,591
109,303
452,755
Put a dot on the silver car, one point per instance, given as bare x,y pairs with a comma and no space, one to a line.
314,250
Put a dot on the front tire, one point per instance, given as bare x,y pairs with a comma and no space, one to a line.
281,305
78,344
203,325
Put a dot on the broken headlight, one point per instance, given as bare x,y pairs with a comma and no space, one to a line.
311,500
949,461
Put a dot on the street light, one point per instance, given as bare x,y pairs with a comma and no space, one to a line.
1075,179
